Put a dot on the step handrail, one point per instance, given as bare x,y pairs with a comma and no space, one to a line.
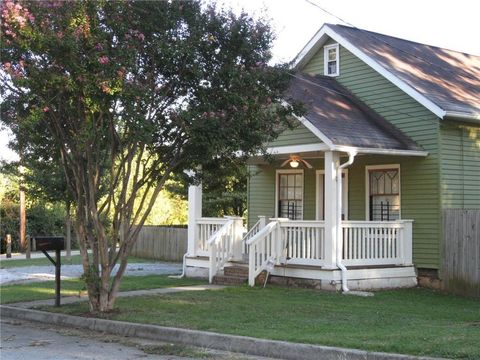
261,248
220,246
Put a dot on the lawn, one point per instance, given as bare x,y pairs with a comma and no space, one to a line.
75,260
72,287
414,321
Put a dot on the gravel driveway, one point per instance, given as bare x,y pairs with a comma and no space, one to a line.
43,273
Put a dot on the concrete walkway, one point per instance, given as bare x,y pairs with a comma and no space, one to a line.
150,292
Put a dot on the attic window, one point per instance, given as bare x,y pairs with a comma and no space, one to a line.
331,55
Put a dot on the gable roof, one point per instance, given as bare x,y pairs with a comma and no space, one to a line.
342,118
444,81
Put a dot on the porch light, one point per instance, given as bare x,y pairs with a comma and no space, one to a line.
294,163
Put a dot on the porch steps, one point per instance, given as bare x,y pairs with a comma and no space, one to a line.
232,275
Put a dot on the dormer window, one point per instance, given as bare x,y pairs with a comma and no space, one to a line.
331,56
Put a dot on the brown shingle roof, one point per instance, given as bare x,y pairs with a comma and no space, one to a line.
448,78
343,118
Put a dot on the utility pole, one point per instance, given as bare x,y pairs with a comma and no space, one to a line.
24,244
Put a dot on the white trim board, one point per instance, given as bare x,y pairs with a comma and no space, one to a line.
326,48
294,149
325,32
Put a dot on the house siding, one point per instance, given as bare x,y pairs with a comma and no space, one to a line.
421,199
460,165
261,190
299,135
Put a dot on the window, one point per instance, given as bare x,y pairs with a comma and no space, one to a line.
383,193
290,194
331,55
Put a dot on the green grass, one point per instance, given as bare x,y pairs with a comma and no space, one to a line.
75,260
413,321
72,287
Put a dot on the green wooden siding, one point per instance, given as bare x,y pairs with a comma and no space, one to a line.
261,190
460,162
447,178
299,135
420,196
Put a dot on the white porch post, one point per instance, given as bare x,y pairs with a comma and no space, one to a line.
262,221
237,233
332,162
194,213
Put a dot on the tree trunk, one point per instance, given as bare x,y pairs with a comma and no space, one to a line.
68,230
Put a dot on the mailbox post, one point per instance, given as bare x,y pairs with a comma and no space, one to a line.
49,243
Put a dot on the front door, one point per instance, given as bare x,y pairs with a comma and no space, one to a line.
321,195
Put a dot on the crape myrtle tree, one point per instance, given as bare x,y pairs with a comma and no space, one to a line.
131,92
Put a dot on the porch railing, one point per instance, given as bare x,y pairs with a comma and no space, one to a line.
221,248
377,242
263,246
303,242
206,227
365,243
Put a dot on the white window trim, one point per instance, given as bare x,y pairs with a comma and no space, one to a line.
319,196
367,187
289,171
325,59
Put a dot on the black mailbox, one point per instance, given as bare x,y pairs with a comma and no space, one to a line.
48,243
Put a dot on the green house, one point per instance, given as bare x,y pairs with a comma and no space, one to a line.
357,193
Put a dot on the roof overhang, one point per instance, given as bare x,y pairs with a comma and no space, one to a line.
325,32
473,118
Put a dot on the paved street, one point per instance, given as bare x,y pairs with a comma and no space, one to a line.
22,340
43,273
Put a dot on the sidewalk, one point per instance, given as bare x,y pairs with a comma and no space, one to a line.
76,299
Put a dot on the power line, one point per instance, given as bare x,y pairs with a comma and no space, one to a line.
374,36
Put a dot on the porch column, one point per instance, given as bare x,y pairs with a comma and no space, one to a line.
332,162
194,213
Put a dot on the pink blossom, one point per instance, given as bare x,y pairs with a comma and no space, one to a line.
141,37
99,47
46,109
103,59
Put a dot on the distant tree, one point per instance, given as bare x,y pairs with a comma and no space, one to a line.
224,185
130,93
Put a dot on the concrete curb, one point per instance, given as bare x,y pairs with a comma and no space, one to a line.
232,343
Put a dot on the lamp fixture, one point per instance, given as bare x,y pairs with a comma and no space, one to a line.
294,161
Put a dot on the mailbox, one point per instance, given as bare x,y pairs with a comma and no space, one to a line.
47,243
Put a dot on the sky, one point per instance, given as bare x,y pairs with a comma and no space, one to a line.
449,24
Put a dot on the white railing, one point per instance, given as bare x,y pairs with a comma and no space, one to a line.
303,242
252,232
225,245
377,243
263,246
221,248
206,227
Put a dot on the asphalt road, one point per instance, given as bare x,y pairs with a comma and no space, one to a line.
22,340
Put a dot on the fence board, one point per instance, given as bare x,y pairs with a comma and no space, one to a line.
161,243
461,249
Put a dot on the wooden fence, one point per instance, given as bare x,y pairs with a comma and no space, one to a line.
161,243
461,249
